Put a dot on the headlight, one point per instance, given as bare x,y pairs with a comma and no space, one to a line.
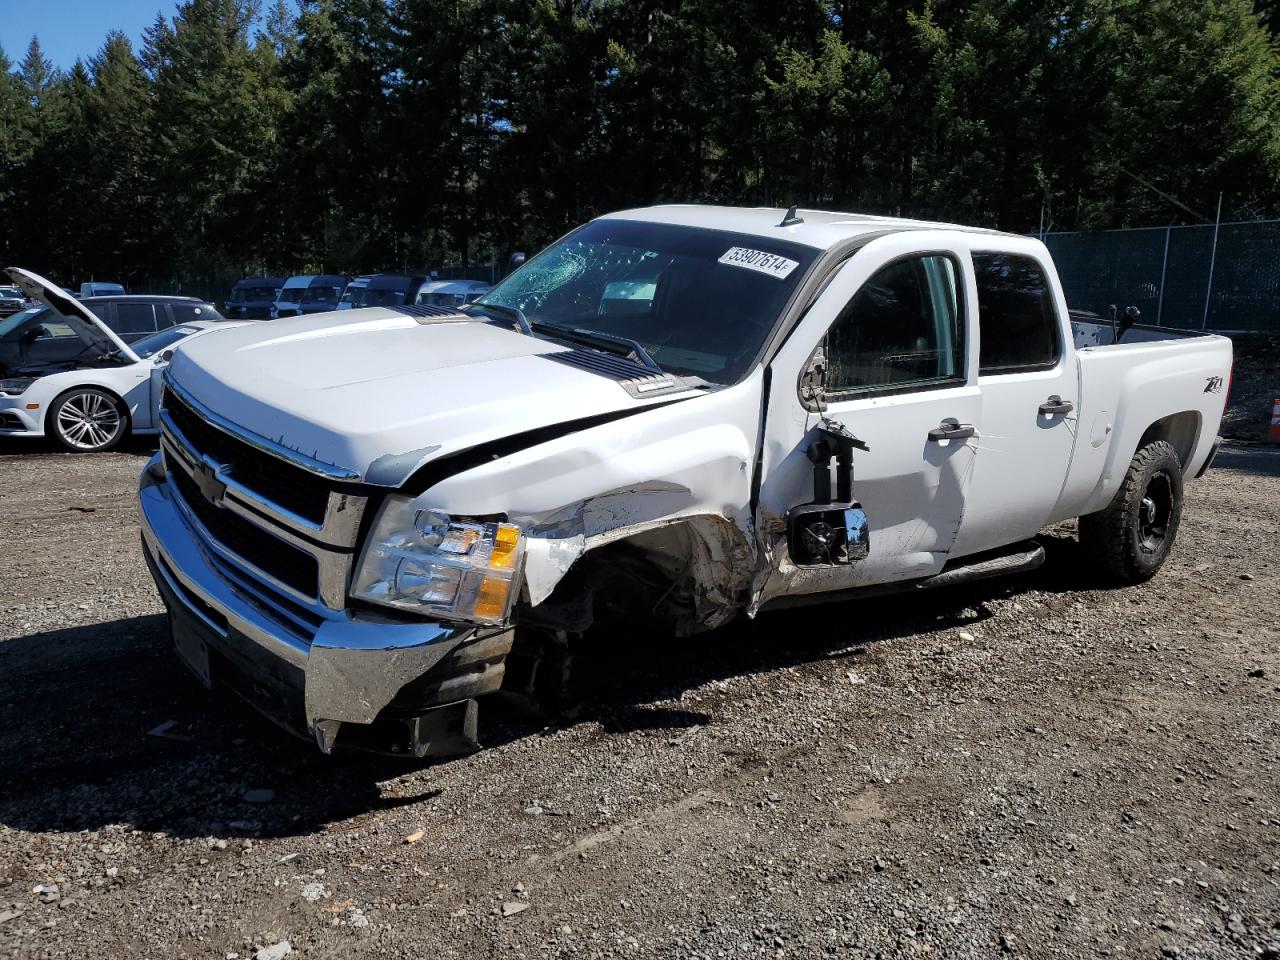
15,385
427,562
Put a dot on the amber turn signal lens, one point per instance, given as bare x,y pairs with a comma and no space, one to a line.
491,600
505,542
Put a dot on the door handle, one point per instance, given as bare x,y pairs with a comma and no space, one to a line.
1055,405
951,429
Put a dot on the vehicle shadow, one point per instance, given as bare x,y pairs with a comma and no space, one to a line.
103,726
27,446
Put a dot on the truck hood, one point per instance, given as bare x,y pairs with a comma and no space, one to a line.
377,393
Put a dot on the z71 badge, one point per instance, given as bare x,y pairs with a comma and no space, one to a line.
1213,385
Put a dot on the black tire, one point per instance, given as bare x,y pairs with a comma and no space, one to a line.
87,420
1130,540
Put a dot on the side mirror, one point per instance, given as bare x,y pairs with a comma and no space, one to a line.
164,356
35,333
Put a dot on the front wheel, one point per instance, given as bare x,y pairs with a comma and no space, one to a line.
87,420
1130,539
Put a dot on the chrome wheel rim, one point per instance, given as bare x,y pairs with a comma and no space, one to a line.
1155,513
89,421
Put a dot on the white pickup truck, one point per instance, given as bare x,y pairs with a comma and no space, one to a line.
363,522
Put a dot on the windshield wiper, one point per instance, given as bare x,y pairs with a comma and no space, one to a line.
634,349
514,312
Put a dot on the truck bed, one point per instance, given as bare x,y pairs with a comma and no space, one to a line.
1155,384
1092,330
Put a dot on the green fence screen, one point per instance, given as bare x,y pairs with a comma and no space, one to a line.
1175,276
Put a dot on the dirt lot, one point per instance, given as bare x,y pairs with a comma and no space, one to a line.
1037,766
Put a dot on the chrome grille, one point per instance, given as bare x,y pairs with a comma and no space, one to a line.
291,487
278,521
270,554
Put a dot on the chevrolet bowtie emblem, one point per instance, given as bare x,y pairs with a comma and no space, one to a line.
207,480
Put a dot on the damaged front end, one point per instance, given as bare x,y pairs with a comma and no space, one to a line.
375,614
359,678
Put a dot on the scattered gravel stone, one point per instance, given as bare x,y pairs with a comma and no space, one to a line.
260,795
277,951
785,784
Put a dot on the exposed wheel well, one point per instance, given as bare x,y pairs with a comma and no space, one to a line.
1179,430
694,574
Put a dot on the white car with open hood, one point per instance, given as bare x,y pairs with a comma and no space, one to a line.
365,525
97,390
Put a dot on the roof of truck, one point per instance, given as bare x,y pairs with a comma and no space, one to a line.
821,228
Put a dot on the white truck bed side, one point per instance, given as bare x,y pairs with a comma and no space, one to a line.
1175,387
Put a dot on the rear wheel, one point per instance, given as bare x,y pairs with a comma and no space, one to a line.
87,420
1132,537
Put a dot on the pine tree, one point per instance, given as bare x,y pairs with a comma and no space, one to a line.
213,130
17,122
37,73
120,154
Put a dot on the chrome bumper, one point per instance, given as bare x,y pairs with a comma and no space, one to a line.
346,668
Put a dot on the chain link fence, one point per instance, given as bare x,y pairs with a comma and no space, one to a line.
1214,277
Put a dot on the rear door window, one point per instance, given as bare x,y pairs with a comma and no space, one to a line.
187,312
1017,320
135,318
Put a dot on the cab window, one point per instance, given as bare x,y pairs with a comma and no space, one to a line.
903,330
1017,320
186,312
55,328
135,318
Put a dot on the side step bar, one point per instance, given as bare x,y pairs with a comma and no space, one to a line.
1025,557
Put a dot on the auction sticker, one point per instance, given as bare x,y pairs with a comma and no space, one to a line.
759,261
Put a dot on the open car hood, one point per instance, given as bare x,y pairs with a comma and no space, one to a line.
93,331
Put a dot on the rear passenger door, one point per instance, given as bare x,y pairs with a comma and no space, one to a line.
1029,385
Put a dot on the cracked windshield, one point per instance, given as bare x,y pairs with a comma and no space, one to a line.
701,302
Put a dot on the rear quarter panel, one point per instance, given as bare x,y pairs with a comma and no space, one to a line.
1127,388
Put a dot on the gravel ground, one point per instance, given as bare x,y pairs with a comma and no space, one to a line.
1035,766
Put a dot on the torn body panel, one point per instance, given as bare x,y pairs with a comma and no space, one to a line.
685,465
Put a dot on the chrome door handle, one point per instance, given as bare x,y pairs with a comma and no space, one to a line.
951,429
1056,405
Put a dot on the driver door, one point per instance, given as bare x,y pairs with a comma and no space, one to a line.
894,323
